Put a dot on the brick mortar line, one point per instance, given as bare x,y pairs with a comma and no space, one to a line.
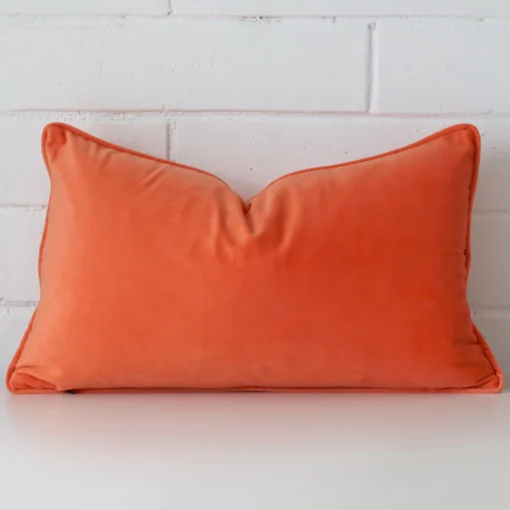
36,208
17,304
27,20
167,115
494,312
29,208
165,19
168,140
171,140
477,311
371,67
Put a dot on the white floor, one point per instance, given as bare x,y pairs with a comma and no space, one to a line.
255,452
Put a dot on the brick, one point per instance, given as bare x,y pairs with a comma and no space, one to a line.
84,7
489,283
495,326
442,66
13,323
341,7
228,65
249,152
20,232
26,181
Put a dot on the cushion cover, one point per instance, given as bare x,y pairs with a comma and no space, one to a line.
158,276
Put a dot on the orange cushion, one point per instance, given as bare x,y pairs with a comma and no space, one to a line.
155,275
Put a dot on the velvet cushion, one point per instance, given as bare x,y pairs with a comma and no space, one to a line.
156,276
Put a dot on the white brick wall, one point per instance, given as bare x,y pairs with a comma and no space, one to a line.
251,90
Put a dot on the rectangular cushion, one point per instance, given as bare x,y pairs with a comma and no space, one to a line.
157,276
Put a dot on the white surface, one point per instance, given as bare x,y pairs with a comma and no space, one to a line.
255,451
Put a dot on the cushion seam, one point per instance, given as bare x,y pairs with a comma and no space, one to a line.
19,351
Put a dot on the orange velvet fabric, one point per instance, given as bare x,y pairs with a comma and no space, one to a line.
349,277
